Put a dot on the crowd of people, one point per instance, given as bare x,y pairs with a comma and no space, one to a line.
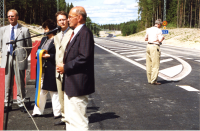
67,67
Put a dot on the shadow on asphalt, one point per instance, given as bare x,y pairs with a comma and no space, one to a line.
97,117
166,82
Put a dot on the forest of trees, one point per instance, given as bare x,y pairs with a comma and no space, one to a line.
179,13
36,11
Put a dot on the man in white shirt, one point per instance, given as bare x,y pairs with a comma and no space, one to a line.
17,52
154,37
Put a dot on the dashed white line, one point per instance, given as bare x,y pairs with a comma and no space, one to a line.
166,60
188,88
126,50
197,60
135,55
140,59
130,52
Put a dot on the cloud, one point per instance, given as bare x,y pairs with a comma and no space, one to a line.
112,2
110,11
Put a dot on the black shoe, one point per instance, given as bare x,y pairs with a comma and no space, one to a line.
22,109
7,109
35,115
59,123
56,117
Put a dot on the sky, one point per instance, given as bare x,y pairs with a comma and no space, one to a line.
109,11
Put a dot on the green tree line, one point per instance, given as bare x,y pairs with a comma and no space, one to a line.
127,28
179,13
36,11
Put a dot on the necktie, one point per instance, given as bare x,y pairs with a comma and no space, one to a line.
71,37
62,36
12,38
67,46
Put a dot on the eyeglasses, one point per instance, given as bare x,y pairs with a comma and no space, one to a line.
72,16
62,20
11,16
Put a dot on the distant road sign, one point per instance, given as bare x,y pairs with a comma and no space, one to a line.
165,32
164,23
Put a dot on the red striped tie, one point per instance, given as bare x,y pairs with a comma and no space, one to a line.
68,45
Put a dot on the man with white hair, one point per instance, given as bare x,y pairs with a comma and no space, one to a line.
154,37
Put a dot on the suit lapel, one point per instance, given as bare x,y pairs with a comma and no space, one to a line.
19,30
73,41
66,38
7,32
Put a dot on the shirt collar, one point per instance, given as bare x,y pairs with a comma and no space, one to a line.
66,30
76,30
15,27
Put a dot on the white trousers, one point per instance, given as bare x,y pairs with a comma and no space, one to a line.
42,102
75,113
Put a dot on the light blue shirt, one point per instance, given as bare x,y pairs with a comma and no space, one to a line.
15,32
64,31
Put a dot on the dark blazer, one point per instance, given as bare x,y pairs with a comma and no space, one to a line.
49,82
79,64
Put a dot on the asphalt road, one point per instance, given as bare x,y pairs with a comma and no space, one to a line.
123,99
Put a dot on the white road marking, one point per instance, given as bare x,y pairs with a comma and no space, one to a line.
184,71
189,58
140,59
130,52
127,50
119,48
135,55
197,60
172,71
188,88
166,60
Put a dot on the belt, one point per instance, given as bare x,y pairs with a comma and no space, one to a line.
153,43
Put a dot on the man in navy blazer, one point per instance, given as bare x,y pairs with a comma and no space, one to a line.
78,67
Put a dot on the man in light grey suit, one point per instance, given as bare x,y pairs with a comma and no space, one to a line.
61,40
19,52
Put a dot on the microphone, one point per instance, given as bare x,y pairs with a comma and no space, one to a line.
58,28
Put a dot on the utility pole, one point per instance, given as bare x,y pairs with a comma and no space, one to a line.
164,13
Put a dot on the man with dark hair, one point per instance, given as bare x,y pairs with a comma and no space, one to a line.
12,32
61,40
154,37
78,68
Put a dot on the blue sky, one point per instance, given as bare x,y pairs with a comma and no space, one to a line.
109,11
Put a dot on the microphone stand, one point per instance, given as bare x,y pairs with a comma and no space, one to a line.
12,69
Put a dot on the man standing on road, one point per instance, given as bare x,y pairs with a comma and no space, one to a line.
78,69
154,37
18,54
61,40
